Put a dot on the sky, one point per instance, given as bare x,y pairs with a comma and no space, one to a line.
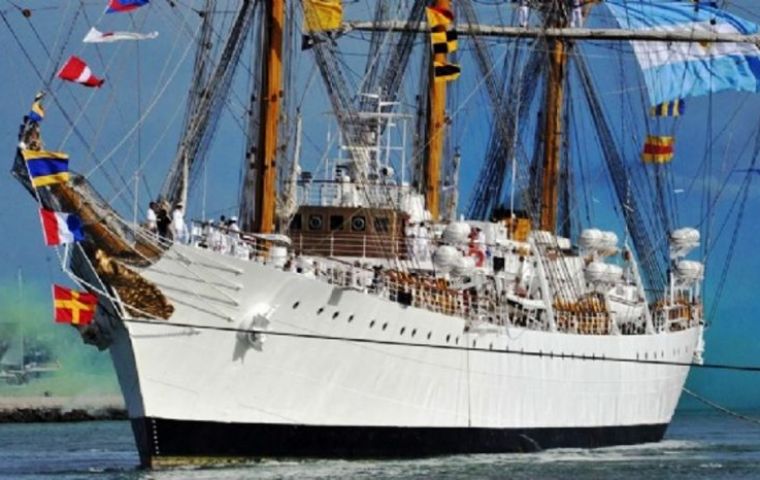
146,85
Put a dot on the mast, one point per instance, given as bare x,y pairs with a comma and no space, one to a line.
271,101
435,132
555,85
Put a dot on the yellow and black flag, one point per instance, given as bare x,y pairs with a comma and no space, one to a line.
322,15
445,72
438,17
444,42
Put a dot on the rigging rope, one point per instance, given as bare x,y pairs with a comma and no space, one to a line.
720,408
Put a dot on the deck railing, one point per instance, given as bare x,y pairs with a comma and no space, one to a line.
483,304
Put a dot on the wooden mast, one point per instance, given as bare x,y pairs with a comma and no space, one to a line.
435,133
271,100
553,127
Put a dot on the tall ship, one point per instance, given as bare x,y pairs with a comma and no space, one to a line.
350,305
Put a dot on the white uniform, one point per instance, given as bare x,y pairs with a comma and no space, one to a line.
422,244
576,18
523,13
179,229
151,220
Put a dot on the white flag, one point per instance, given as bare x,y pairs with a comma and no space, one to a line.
94,36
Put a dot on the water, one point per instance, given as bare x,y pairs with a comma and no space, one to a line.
698,446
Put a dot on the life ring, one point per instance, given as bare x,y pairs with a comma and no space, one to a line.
480,256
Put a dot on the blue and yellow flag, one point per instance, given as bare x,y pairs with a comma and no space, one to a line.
46,168
37,112
675,108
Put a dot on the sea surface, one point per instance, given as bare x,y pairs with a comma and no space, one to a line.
698,446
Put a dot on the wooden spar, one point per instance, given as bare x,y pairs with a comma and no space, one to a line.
553,134
271,99
609,34
435,132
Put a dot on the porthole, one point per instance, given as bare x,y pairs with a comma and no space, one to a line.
456,340
335,315
430,334
414,331
474,343
637,355
385,325
315,222
401,332
350,318
371,324
490,346
295,305
646,355
321,309
358,224
448,337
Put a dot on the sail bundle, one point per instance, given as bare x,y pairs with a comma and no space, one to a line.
676,70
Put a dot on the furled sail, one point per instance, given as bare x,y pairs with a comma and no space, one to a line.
689,69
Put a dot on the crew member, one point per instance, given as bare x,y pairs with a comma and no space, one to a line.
523,13
179,229
152,218
576,14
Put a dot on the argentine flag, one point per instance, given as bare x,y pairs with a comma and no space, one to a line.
674,70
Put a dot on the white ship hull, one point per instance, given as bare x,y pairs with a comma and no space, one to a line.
198,393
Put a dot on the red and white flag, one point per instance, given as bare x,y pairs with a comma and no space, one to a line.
75,70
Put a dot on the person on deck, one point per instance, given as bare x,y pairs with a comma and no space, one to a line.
576,13
523,13
422,243
151,217
410,232
179,228
162,222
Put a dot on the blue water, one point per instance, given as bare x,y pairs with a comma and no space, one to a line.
698,446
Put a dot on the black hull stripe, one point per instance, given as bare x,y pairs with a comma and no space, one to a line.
172,439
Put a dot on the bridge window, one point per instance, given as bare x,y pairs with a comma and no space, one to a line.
336,222
295,222
382,225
